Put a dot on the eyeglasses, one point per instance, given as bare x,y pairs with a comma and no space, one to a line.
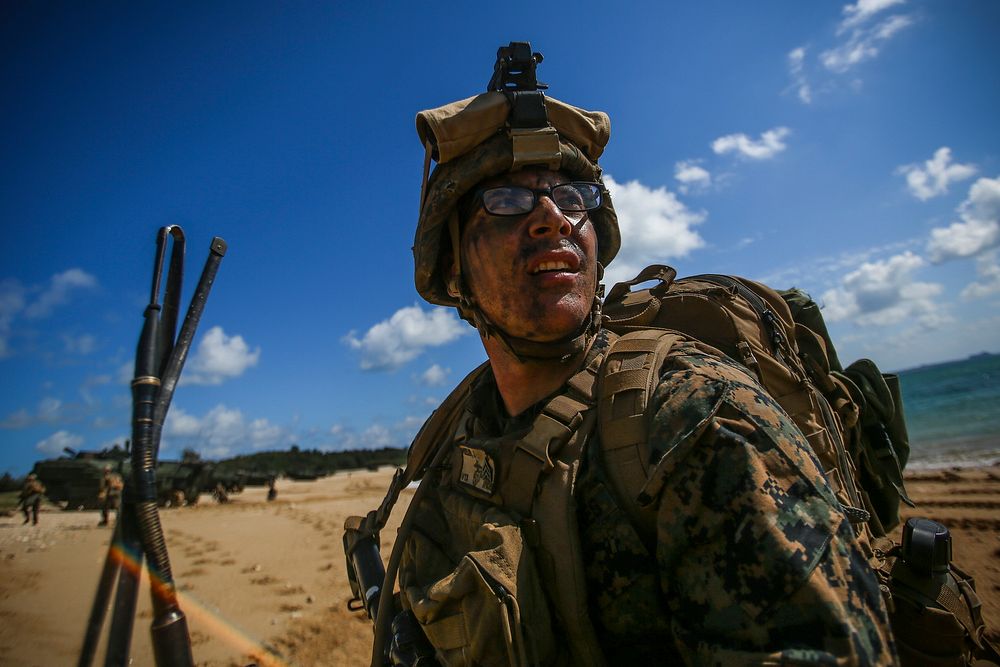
575,197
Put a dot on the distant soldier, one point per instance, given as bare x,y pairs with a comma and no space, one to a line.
272,492
220,494
110,493
31,498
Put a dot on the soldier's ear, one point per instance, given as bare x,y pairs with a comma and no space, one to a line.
452,286
452,273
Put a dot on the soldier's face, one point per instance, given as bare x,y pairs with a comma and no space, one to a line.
534,275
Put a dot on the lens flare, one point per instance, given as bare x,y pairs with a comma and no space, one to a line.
199,614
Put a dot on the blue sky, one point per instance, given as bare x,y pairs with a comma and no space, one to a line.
847,149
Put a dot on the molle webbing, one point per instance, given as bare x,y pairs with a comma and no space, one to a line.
625,388
560,419
753,325
540,486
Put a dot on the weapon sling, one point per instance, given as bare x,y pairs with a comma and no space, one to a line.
138,535
426,452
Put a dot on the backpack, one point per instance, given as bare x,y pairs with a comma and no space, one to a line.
755,326
852,417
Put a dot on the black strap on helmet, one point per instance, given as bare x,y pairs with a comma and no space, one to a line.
514,76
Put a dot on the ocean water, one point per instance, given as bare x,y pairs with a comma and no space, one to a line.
953,412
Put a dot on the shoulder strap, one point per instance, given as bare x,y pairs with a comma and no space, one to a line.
560,419
624,388
432,435
426,451
440,422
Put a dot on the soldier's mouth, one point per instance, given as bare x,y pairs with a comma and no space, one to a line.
561,260
546,267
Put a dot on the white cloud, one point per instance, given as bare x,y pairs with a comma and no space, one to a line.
19,419
936,174
54,444
434,376
114,442
862,10
377,435
404,336
412,423
770,144
83,344
979,229
864,42
655,226
58,291
11,303
125,373
816,270
988,270
883,293
860,35
48,411
181,424
222,432
91,382
692,176
796,69
219,358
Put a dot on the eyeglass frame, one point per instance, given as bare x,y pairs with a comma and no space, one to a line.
477,197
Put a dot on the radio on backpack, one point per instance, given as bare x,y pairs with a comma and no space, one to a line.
935,612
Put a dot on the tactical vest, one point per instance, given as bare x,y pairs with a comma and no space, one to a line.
500,520
493,569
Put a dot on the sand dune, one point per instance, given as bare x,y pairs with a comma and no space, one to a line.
266,581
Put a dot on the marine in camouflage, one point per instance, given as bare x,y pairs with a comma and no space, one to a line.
750,559
30,498
754,561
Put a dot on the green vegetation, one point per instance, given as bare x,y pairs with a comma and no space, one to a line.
8,500
309,463
249,469
10,483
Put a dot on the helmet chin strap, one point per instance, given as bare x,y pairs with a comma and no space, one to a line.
526,350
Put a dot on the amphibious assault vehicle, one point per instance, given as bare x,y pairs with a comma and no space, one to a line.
75,479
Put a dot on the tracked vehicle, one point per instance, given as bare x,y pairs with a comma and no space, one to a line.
75,479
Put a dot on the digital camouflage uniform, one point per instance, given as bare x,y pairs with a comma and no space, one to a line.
752,561
31,498
517,551
109,495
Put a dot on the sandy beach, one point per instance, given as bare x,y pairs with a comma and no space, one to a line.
266,581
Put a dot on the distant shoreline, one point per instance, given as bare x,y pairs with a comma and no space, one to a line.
980,451
978,356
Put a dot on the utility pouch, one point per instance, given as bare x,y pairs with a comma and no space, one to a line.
880,444
934,610
489,609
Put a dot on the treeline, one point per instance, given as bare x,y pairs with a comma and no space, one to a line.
10,483
310,462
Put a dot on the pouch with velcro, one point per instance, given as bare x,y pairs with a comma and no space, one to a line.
489,609
934,609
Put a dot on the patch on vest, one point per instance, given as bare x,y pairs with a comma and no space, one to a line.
478,469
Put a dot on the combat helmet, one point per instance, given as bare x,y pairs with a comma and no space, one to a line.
511,126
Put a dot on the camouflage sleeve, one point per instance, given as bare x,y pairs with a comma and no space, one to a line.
757,563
